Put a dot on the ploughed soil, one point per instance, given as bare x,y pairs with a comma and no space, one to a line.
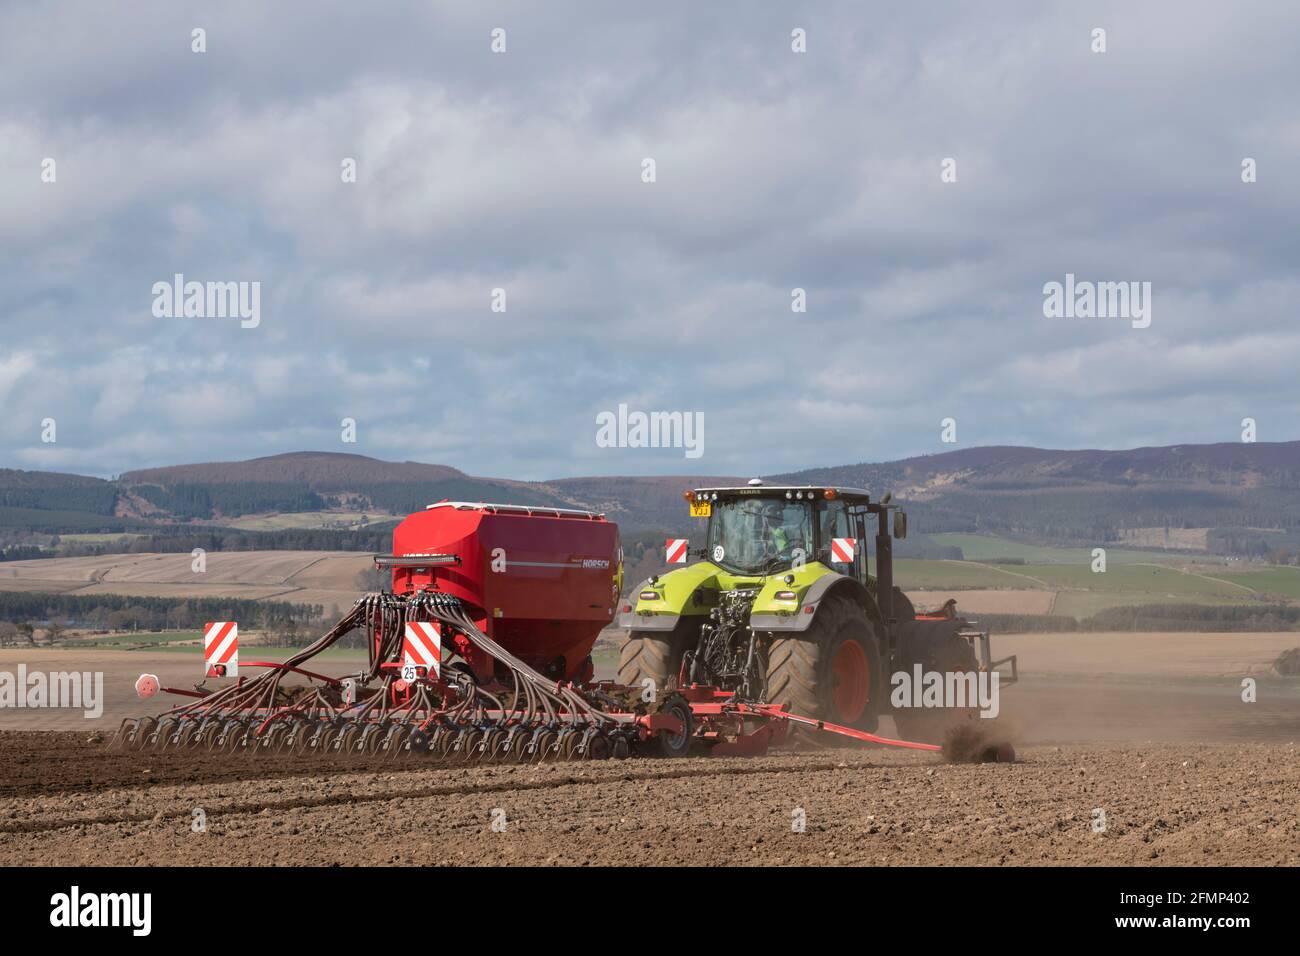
1133,749
69,801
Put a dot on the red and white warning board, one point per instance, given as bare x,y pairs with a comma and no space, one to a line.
842,550
221,649
675,548
422,647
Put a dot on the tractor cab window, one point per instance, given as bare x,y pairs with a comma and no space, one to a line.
759,535
835,523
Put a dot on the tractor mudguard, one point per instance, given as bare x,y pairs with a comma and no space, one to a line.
920,641
630,620
678,597
802,619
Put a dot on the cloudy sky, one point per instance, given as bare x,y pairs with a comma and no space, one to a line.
523,170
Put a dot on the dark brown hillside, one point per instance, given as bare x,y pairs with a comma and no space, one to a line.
1051,495
1009,468
320,470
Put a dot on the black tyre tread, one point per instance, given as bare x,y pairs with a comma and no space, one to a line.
644,654
653,654
795,663
792,664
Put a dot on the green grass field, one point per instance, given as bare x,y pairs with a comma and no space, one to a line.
1143,578
99,538
1273,579
987,547
605,660
133,638
1081,592
293,521
168,642
1163,582
1081,604
939,575
274,653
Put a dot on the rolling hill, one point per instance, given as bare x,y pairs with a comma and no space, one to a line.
1246,496
321,470
1236,498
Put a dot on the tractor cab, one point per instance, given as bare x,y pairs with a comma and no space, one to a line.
762,529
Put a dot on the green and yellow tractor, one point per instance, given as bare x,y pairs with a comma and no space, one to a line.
784,605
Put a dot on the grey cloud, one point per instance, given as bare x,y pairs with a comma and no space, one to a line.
775,170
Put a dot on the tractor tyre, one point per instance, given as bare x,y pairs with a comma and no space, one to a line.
830,671
904,610
656,656
948,653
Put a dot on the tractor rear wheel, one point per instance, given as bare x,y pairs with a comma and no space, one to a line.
830,671
656,656
948,653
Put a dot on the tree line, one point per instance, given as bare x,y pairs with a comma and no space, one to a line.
22,613
232,500
1152,618
118,611
377,538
